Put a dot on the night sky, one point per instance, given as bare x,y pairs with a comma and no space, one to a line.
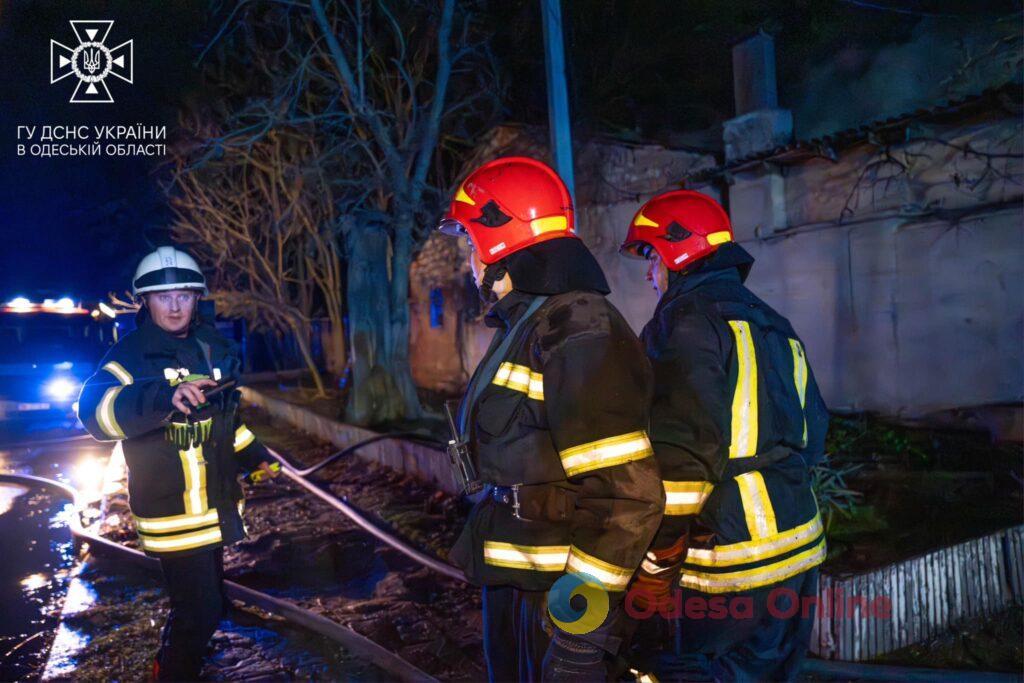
648,70
78,225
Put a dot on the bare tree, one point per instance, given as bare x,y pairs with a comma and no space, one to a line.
379,81
261,215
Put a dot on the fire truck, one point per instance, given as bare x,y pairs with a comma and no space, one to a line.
48,347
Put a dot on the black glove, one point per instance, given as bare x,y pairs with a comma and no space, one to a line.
571,659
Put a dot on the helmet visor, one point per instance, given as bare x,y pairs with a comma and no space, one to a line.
450,226
637,249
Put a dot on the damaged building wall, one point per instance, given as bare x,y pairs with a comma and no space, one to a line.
900,264
902,267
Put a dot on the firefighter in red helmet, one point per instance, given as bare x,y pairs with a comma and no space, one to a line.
736,423
555,419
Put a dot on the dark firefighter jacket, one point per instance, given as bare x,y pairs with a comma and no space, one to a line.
563,417
737,421
182,473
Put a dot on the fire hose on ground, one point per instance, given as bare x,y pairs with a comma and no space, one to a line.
299,477
387,660
353,641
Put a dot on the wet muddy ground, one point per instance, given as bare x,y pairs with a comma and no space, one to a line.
301,550
117,633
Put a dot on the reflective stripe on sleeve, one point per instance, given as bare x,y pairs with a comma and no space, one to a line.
243,437
543,558
105,413
118,371
686,497
612,576
757,507
614,450
744,401
520,378
800,379
754,578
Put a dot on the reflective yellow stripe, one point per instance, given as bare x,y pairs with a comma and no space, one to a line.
611,575
744,400
520,378
719,237
644,220
754,578
461,196
176,522
686,497
118,371
614,450
243,437
800,379
549,224
192,539
105,413
757,507
752,551
194,467
543,558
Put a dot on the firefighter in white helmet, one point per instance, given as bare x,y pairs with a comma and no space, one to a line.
165,391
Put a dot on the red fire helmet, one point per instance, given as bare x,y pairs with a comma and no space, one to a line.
509,204
682,226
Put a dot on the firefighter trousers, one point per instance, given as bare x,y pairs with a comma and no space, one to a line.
194,585
764,636
516,633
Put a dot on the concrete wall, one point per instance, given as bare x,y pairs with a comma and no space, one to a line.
903,272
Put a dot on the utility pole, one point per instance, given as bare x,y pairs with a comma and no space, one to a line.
559,129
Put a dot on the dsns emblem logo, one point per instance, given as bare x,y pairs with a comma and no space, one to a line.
91,61
591,604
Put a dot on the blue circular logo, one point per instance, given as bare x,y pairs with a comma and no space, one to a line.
569,618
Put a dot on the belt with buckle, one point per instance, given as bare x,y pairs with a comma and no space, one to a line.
508,495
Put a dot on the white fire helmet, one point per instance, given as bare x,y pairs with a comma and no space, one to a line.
167,268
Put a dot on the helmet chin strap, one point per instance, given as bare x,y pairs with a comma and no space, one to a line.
492,274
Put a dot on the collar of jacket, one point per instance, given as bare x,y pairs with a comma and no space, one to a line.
507,310
555,267
546,269
729,262
159,341
156,337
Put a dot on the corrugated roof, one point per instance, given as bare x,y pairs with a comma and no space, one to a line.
826,146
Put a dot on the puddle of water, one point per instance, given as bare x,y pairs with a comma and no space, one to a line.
38,554
8,494
39,582
67,642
